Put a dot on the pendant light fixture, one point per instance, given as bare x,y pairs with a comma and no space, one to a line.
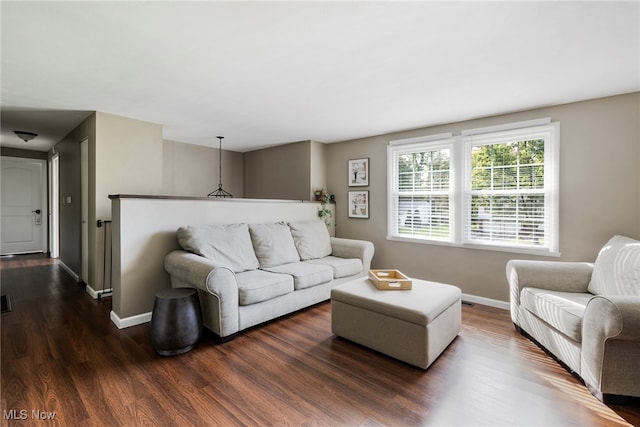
220,192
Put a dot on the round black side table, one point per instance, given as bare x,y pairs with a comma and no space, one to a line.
176,321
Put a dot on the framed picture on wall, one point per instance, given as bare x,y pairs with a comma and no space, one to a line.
359,204
359,172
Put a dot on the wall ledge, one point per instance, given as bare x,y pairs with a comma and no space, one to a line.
210,199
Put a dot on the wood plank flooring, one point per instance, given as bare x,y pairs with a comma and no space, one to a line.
63,358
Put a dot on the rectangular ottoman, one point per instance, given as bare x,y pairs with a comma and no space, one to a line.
414,326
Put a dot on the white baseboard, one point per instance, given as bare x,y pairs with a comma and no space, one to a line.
68,270
130,321
504,305
146,317
94,294
91,292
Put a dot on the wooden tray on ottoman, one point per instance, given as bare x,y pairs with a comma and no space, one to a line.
387,280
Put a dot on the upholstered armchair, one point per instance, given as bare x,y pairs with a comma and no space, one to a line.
587,315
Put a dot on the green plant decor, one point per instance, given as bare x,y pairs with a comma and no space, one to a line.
325,211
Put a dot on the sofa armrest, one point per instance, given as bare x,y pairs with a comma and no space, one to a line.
189,269
551,275
351,248
607,320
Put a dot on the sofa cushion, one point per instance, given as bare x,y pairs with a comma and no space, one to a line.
617,268
342,267
305,275
256,286
228,245
311,238
273,244
562,310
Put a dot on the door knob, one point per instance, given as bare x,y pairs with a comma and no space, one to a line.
37,211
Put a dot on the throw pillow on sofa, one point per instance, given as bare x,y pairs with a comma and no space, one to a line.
228,245
273,244
617,268
311,238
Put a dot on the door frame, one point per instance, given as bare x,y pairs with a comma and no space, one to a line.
43,201
54,206
84,216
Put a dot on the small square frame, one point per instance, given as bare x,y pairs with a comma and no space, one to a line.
359,172
359,204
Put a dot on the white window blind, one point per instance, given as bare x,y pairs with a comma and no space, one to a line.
504,197
421,190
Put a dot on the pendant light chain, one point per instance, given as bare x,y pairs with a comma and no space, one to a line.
220,192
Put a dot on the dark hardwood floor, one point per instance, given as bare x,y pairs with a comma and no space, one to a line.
63,358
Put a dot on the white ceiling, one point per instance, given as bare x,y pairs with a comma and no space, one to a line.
268,73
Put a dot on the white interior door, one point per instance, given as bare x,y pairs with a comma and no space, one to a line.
24,206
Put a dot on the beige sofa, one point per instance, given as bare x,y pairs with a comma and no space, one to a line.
247,274
587,315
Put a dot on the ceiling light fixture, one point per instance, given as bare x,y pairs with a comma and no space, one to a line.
24,135
220,192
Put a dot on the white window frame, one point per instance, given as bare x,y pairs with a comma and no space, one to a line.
460,183
412,145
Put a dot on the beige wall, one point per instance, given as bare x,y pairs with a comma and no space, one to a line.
281,172
192,170
599,185
26,154
68,149
599,193
126,158
318,168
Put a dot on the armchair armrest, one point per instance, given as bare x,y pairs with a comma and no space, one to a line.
608,316
189,269
611,330
351,248
551,275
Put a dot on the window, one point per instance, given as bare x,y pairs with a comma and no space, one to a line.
422,191
492,187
